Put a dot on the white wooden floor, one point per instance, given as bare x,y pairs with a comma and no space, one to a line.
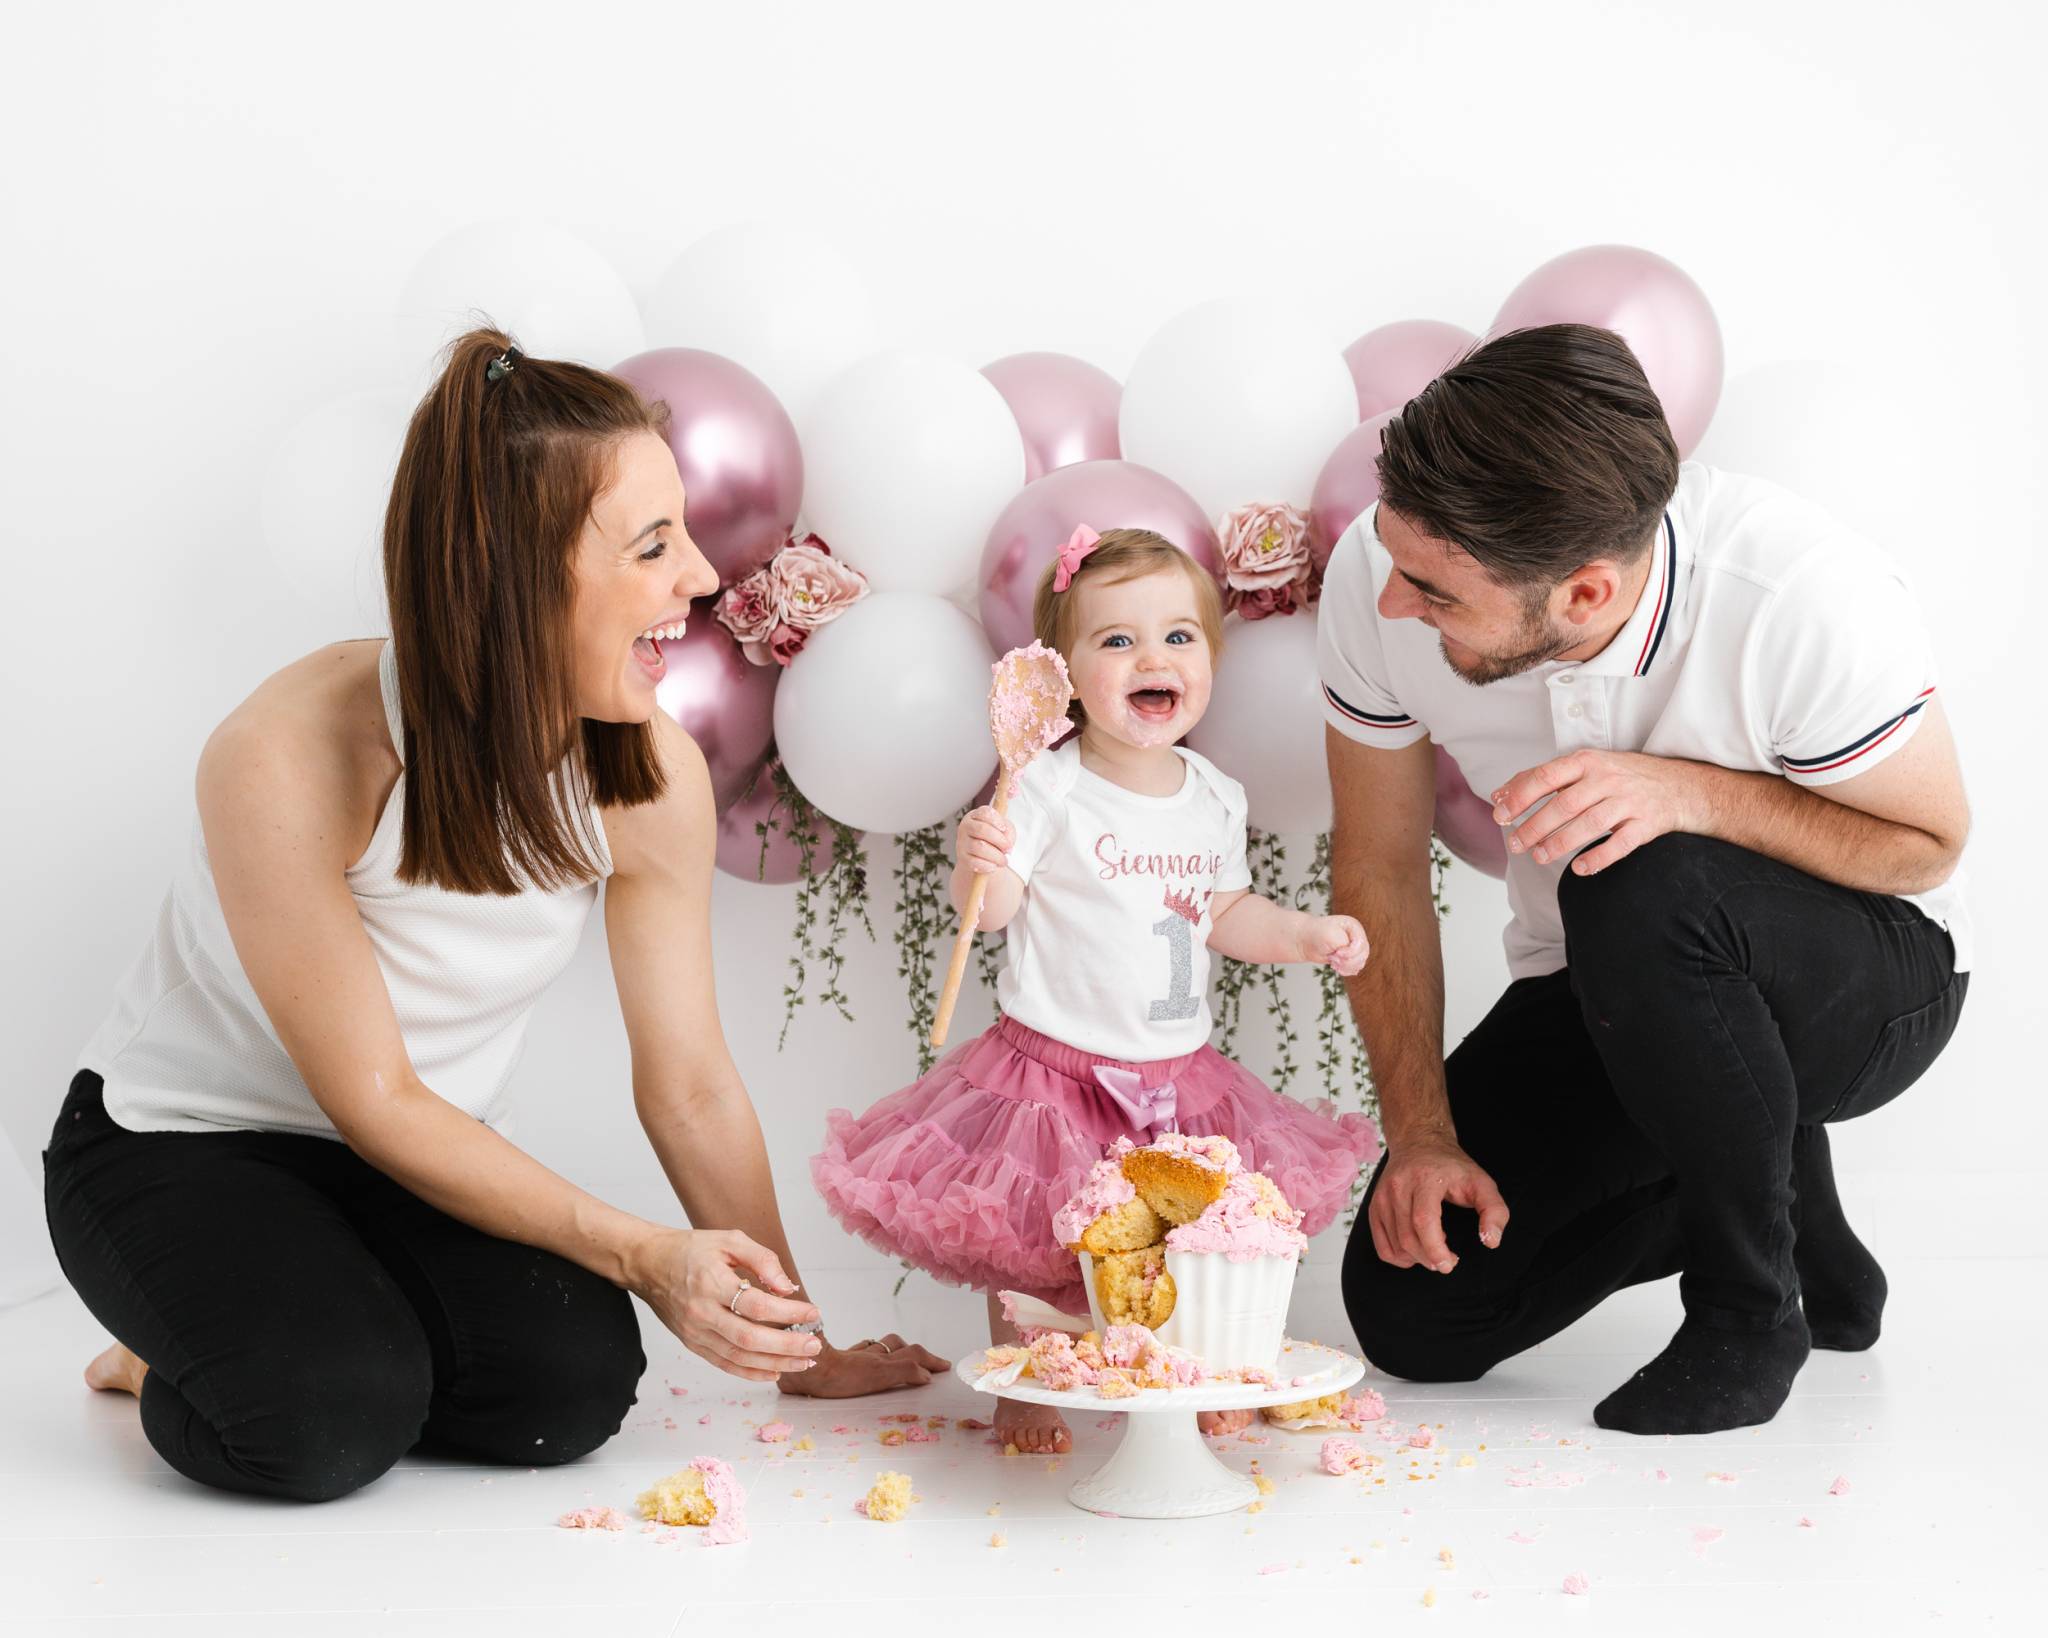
1936,1433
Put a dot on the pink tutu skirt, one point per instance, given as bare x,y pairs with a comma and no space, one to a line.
961,1171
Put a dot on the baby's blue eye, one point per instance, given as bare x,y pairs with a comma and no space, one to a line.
1184,636
1115,638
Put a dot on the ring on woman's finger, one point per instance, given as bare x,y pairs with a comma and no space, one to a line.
745,1287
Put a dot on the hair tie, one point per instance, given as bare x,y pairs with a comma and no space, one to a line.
502,364
1083,541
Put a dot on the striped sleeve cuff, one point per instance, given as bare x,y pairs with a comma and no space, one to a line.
1859,755
1387,730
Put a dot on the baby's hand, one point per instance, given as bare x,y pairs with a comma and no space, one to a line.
985,840
1337,940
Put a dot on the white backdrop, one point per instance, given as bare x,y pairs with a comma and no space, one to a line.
212,211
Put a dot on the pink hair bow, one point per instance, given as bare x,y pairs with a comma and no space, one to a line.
1079,545
1148,1106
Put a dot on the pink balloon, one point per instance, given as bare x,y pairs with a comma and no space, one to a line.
1347,485
1464,821
739,847
1105,495
723,700
1392,364
736,448
1065,408
1652,304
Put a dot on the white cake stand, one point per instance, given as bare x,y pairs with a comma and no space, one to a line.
1164,1469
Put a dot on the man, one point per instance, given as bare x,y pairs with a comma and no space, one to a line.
1707,716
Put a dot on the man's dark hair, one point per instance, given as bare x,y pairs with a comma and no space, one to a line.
1536,452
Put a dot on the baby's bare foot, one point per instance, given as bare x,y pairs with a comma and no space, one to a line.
116,1371
1036,1430
1213,1422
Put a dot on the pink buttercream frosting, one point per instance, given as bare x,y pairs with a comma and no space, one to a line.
774,1433
1342,1456
722,1485
1217,1153
1242,1223
1104,1189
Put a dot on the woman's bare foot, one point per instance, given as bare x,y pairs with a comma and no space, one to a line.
116,1371
1036,1430
1215,1422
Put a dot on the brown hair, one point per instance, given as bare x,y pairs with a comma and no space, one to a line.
1536,452
499,472
1120,555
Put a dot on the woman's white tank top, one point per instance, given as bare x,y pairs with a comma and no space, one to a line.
188,1047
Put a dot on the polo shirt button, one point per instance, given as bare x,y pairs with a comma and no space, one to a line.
1575,711
1567,678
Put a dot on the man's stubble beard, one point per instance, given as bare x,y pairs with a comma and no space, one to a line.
1536,641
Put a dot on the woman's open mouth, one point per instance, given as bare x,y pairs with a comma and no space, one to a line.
647,648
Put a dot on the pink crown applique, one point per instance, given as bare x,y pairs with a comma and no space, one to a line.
1185,905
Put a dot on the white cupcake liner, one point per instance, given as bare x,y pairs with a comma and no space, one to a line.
1227,1314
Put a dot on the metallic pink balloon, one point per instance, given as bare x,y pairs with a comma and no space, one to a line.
1652,304
1464,821
1392,364
722,699
736,448
1104,495
1065,408
1347,485
739,847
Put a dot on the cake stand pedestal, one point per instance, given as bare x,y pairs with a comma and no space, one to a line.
1164,1468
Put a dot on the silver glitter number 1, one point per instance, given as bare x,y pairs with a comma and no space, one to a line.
1180,1000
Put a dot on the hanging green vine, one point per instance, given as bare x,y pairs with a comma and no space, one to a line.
843,884
922,916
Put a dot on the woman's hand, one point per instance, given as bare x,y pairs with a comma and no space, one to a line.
691,1277
1338,941
867,1367
984,840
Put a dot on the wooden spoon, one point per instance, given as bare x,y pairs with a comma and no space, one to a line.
1027,711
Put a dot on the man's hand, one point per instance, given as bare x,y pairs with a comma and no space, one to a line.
1627,796
1407,1217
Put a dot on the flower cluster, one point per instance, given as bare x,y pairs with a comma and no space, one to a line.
774,610
1267,565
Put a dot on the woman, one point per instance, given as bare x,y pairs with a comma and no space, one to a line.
278,1177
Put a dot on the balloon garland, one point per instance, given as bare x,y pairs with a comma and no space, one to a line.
856,502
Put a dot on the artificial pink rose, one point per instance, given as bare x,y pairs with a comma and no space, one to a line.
1264,546
785,643
1267,600
813,585
751,609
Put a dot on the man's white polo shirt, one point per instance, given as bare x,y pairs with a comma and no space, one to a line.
1767,639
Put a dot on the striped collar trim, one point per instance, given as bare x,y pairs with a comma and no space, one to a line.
1635,648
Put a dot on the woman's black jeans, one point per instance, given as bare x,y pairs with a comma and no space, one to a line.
306,1321
1640,1110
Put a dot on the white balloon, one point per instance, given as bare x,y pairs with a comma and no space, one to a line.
1238,403
793,311
908,457
1830,433
321,507
1264,725
882,720
552,292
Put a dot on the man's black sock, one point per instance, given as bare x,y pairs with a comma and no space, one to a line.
1841,1285
1706,1381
